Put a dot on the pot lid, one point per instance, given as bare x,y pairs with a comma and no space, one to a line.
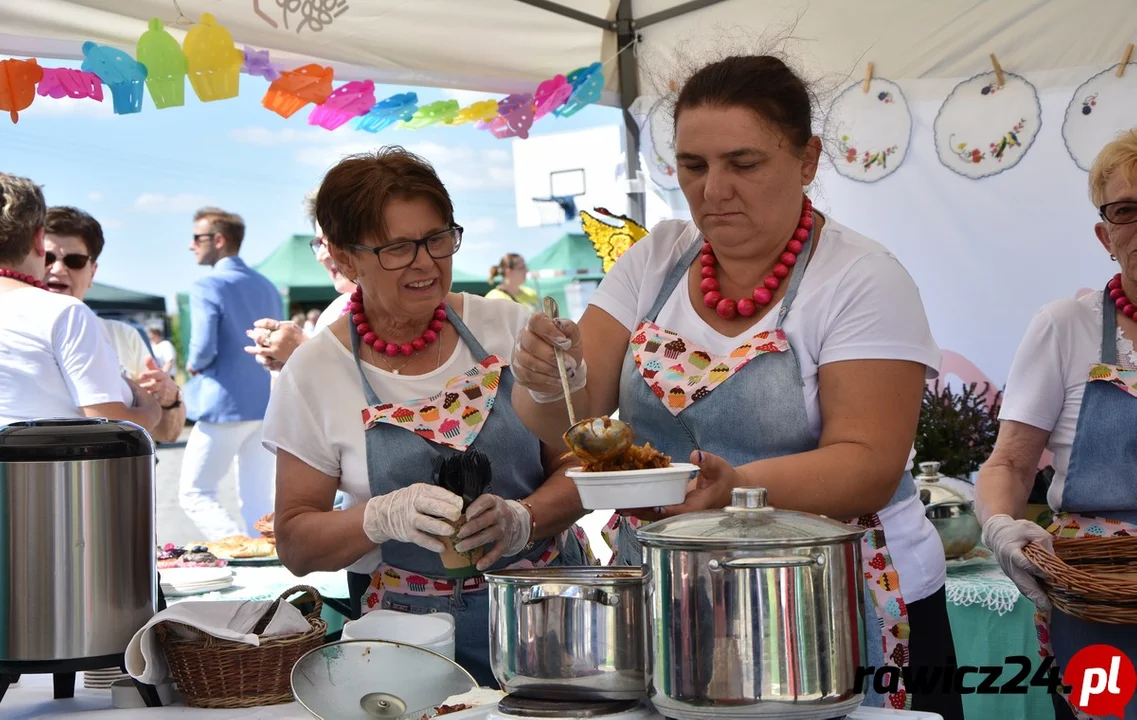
749,521
932,491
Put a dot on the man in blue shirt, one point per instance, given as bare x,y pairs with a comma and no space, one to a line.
228,391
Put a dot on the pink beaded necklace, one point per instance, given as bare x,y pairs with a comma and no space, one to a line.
391,349
728,308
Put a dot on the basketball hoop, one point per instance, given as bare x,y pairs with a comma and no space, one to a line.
556,210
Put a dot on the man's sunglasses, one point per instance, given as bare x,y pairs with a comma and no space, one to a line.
74,261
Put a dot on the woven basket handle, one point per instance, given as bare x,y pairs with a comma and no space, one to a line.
319,601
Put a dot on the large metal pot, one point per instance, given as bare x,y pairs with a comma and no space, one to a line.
756,612
952,513
571,633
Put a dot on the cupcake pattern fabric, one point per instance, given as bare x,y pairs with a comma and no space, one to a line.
680,373
454,416
1124,378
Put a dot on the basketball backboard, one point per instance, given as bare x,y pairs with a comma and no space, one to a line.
555,175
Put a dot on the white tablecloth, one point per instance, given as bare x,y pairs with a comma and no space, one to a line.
33,699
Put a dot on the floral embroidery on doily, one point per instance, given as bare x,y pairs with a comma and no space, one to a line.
997,149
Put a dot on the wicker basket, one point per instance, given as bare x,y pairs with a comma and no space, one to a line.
1090,578
215,673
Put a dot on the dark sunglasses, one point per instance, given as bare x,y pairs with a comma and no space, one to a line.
74,261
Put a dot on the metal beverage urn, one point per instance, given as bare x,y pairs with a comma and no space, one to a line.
78,573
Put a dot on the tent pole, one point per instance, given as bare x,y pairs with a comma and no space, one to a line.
628,69
687,7
558,9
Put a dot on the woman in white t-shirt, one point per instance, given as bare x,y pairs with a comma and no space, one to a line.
412,377
809,385
1073,390
56,360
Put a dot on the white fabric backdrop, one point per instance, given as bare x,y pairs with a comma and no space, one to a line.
985,253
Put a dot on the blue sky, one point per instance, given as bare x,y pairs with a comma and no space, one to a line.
143,175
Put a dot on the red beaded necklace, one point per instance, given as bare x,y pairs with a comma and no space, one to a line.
355,307
22,277
1127,307
728,308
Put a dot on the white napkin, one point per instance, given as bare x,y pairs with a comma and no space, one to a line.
225,619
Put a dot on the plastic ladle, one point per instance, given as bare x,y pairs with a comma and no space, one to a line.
591,439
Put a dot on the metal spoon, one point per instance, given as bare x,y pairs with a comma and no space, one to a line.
590,439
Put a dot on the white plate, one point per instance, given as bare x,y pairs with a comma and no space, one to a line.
626,489
179,577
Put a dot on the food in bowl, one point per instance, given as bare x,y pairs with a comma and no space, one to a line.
636,457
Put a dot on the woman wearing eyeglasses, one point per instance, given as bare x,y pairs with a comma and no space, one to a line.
413,374
1072,390
56,360
275,341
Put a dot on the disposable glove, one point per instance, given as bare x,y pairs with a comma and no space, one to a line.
1006,538
417,514
492,519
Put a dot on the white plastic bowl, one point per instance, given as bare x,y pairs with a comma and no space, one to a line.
433,631
626,489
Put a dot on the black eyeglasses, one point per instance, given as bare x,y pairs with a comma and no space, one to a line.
399,255
315,244
74,261
1121,212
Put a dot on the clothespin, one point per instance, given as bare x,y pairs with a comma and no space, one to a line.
868,77
998,70
1125,60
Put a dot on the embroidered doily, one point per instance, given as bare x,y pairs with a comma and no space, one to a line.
657,139
1126,353
1100,109
983,129
984,584
868,132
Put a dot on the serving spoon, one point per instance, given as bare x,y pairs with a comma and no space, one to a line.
591,439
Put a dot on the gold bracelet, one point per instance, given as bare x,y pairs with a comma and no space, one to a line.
532,524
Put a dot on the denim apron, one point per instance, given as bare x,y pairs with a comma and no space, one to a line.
744,407
404,443
1099,496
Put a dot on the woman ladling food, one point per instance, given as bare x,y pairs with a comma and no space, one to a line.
771,346
412,378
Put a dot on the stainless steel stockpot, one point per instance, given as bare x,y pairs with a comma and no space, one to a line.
756,612
571,633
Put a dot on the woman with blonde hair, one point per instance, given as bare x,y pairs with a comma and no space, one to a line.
512,270
1072,389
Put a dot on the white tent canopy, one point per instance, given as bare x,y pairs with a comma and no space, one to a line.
985,252
510,45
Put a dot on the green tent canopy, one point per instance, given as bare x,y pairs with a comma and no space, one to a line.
572,254
569,260
293,269
106,299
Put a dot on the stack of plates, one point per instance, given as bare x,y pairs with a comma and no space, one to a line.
195,581
103,679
